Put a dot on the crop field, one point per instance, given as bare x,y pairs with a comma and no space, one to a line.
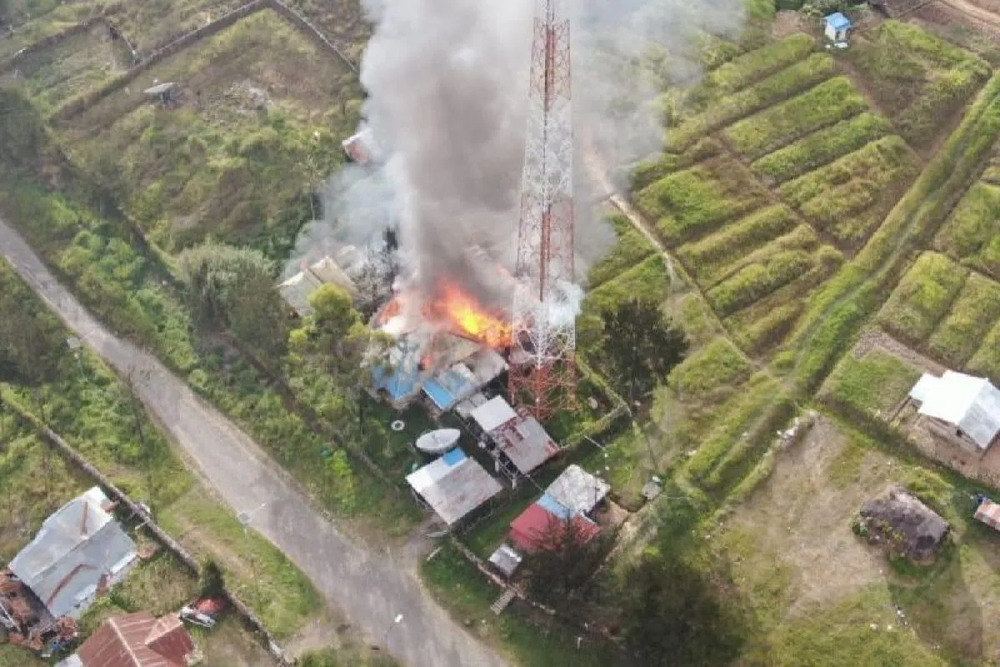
238,152
918,75
971,235
948,312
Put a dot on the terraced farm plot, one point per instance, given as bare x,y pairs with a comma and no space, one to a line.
721,112
922,298
825,104
849,197
972,233
919,76
693,202
239,152
973,314
822,147
53,75
152,23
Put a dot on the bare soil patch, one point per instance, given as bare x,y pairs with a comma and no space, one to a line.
802,519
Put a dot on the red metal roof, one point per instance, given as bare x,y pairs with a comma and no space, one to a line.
535,526
137,640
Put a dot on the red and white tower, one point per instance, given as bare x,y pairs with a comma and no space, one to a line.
544,314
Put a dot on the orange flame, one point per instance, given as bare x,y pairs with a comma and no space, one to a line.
469,317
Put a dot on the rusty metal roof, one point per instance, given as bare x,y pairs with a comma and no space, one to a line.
137,640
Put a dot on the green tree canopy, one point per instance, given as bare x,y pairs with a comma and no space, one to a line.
235,287
672,614
639,346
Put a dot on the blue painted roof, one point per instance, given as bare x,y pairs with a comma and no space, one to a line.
442,398
838,21
450,386
400,383
553,507
454,457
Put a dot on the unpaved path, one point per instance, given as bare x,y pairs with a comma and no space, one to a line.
370,587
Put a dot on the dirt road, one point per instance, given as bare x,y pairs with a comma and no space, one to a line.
369,588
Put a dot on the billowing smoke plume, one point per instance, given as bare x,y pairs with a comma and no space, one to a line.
447,84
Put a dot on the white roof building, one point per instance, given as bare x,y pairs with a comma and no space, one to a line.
493,414
970,404
78,550
453,485
578,490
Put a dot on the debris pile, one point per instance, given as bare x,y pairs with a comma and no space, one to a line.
903,525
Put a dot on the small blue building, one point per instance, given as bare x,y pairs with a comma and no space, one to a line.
838,27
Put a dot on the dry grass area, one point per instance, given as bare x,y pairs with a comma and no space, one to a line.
825,598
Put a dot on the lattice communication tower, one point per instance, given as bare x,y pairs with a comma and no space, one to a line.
542,357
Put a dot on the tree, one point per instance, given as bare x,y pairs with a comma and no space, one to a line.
566,558
640,346
672,614
30,337
235,287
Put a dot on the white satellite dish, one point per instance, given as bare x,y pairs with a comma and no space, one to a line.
439,441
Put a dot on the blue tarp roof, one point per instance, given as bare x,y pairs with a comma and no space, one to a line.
450,386
454,457
554,507
838,21
400,383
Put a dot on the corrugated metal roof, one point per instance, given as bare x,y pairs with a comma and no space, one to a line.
493,414
525,442
137,640
76,548
537,528
578,490
970,403
453,487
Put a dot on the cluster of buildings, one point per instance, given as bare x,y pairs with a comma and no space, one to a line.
81,552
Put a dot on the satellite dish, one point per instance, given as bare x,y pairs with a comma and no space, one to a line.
439,441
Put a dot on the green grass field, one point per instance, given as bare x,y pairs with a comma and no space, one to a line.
922,298
971,235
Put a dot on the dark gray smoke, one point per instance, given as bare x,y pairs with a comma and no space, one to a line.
447,84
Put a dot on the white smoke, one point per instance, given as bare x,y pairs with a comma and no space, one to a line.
447,84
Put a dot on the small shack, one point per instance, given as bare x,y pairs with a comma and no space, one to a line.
506,560
453,485
904,525
516,440
136,640
959,408
837,27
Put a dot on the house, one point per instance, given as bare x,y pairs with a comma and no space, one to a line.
136,640
296,290
541,526
453,485
959,408
838,27
578,490
506,560
79,552
516,440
